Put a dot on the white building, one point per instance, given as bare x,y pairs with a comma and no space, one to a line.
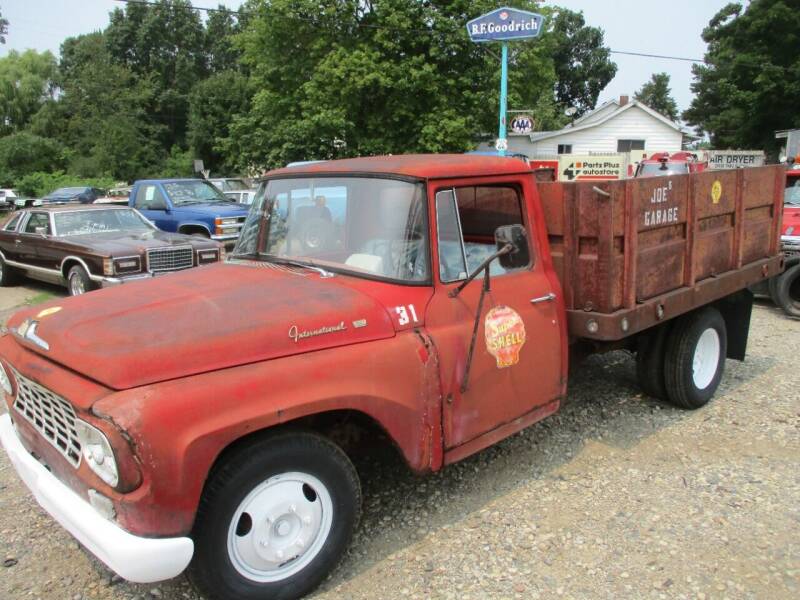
615,126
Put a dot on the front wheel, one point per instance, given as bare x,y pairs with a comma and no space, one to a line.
78,281
695,358
7,275
275,519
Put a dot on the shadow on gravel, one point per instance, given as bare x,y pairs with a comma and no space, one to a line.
604,405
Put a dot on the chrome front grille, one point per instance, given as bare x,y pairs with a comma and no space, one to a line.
50,415
169,259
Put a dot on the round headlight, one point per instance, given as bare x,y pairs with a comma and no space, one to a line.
97,452
5,381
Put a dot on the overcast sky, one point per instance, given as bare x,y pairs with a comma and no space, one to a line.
669,28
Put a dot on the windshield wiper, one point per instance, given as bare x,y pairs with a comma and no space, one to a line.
296,263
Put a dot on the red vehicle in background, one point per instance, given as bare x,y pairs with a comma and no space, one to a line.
785,289
664,163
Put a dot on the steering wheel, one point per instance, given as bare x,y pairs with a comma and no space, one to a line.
317,233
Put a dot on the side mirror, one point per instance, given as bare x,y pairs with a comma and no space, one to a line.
515,235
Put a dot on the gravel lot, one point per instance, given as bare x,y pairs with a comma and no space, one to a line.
617,496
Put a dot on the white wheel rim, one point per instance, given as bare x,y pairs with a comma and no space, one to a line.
706,359
280,527
76,285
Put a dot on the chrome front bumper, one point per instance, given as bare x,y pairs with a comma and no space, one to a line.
137,559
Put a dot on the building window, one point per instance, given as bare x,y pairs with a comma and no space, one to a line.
628,145
565,148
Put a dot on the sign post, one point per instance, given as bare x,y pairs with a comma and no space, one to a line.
504,25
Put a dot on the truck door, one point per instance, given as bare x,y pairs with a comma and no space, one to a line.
516,366
150,201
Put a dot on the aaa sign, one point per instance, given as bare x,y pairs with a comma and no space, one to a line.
505,24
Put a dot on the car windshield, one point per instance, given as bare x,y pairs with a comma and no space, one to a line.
193,192
661,169
364,226
234,185
68,191
86,222
792,193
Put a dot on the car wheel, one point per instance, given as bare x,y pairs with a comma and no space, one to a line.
78,281
695,358
8,276
275,518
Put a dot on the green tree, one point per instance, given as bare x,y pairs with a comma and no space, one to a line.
657,95
165,43
105,106
213,104
750,82
583,64
27,81
3,29
23,153
345,77
221,27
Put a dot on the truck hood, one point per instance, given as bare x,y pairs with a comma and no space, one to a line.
200,320
115,244
217,209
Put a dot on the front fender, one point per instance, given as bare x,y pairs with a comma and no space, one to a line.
179,428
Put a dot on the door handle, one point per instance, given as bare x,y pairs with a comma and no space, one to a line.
547,298
17,241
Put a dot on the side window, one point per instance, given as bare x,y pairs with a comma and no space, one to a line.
38,220
149,197
629,145
12,224
467,219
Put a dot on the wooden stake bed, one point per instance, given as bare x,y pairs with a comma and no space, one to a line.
635,252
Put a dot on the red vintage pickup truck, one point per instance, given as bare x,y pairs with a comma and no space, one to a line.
431,301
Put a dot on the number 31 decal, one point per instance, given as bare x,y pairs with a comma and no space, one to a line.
403,314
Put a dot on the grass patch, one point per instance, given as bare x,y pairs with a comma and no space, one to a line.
39,298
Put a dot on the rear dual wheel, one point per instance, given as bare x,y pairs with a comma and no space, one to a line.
684,363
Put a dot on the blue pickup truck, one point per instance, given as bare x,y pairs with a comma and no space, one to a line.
190,206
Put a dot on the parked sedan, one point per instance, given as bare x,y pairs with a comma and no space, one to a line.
83,194
85,247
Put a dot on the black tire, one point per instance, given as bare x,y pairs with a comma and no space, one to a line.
255,465
682,385
8,276
650,362
772,286
788,291
77,280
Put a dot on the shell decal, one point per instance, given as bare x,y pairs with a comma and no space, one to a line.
505,335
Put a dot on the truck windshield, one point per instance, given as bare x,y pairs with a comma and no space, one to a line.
364,226
657,169
792,193
193,192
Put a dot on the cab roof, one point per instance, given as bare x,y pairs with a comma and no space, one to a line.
418,166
